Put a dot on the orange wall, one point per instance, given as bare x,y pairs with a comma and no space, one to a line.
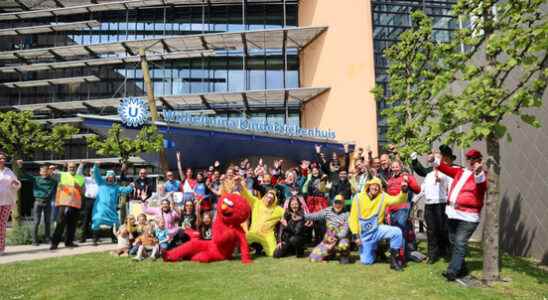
341,58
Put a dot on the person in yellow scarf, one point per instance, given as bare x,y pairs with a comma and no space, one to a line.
265,214
367,218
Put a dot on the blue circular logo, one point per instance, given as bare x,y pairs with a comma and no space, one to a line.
133,111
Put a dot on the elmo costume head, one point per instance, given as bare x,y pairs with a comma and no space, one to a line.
232,209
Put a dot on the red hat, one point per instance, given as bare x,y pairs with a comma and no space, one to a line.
473,153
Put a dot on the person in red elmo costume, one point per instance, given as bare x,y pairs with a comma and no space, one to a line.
232,211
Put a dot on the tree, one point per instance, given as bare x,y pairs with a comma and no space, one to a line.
503,74
21,137
149,139
419,68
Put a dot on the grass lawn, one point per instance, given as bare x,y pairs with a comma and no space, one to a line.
102,276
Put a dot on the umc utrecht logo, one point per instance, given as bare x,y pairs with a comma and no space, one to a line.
133,111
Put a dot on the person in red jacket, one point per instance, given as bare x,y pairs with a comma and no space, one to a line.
463,207
398,215
395,180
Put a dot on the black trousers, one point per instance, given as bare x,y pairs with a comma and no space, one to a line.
290,244
87,210
67,218
436,230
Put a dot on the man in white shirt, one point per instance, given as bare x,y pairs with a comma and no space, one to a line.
90,193
434,190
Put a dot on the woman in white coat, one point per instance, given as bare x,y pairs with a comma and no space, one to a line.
9,185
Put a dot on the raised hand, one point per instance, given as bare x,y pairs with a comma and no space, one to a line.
318,148
178,154
478,168
404,186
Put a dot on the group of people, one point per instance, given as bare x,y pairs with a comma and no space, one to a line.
335,204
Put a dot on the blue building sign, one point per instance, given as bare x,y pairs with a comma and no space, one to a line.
134,112
243,124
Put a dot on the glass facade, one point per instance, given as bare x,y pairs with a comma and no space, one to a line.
226,71
390,19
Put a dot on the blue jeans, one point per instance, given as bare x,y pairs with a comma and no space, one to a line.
370,242
400,219
459,233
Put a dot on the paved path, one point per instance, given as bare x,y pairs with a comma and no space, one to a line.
29,252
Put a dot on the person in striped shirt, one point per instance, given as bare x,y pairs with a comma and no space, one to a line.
337,223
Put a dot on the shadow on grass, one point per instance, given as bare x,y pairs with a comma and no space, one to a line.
526,266
474,262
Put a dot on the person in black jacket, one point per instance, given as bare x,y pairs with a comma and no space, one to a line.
341,186
292,231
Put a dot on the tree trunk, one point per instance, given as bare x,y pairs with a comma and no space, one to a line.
491,230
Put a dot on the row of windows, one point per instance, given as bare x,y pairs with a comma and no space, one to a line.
146,23
390,20
169,78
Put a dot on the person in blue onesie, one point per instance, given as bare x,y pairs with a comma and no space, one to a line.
104,214
366,222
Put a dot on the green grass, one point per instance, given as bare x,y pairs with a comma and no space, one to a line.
102,276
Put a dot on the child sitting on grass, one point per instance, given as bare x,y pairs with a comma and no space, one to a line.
188,216
122,235
137,231
162,235
204,226
147,244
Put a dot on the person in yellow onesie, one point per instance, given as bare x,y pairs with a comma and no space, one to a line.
265,214
366,221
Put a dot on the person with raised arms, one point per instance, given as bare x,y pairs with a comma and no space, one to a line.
367,218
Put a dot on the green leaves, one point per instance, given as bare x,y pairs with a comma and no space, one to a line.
20,136
148,139
503,74
531,120
419,68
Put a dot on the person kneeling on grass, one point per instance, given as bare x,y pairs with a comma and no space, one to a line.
337,224
292,230
147,244
264,217
366,218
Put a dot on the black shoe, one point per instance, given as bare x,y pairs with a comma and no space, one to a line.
449,276
463,272
344,260
71,245
53,247
395,261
